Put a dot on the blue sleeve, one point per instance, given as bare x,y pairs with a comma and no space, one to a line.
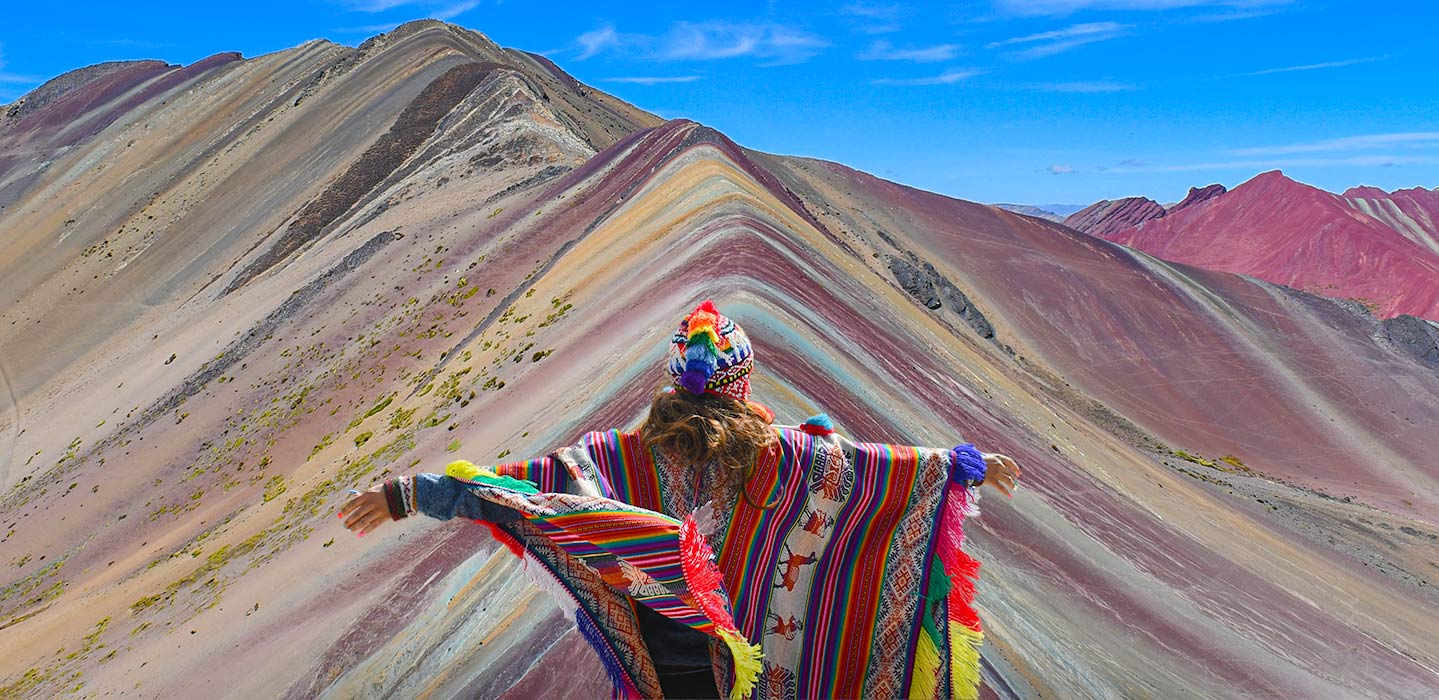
443,497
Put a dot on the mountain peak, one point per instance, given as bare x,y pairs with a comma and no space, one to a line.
1198,195
1363,191
1275,181
419,26
1274,185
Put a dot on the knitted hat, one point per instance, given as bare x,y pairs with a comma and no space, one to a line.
710,354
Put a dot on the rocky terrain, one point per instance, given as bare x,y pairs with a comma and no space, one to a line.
233,290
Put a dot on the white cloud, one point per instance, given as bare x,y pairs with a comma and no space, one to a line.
873,18
380,5
442,12
1083,86
872,11
1365,151
884,51
455,10
707,41
1070,32
369,28
1313,66
1058,169
655,80
710,41
1415,139
601,39
15,78
1055,8
1233,15
949,77
713,40
1061,40
1370,161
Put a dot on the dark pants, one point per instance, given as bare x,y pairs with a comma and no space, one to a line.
681,656
687,682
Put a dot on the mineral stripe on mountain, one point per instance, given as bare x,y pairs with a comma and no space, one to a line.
1229,488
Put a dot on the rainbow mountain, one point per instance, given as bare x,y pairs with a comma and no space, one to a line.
235,289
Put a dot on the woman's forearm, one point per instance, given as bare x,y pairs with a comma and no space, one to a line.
442,498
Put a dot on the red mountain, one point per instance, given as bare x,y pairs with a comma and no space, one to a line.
1414,213
1379,248
1107,216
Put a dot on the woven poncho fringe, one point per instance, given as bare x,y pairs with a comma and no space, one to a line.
955,575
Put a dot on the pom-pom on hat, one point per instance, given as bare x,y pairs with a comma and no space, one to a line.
710,354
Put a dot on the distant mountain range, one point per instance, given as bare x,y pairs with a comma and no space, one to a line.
1378,248
1051,212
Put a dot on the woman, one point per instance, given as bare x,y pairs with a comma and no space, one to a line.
838,570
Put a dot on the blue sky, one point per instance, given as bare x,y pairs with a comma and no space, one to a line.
1030,101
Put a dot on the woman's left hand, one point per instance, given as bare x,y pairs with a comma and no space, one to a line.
1001,472
366,511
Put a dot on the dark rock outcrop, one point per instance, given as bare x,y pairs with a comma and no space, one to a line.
1198,195
921,281
915,282
1414,337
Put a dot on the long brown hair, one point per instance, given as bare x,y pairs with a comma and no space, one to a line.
697,428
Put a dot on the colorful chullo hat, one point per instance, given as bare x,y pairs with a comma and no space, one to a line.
710,354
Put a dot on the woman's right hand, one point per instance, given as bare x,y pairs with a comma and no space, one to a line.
1001,472
366,511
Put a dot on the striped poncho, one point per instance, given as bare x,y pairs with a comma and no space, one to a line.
852,585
